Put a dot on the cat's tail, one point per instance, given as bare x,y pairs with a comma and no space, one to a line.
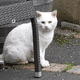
1,59
1,56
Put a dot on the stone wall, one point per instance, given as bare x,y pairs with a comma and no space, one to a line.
68,10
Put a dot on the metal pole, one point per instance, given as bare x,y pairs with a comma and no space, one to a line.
36,48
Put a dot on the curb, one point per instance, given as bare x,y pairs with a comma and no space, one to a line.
59,31
68,29
70,26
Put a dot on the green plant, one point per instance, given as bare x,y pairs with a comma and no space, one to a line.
68,67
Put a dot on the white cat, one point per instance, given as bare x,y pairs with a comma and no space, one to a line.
18,46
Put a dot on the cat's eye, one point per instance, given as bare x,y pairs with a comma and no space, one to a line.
49,21
43,22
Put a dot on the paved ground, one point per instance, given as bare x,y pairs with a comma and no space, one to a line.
62,50
23,74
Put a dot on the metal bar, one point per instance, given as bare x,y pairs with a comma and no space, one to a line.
36,48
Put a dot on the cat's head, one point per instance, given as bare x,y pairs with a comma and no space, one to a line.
47,21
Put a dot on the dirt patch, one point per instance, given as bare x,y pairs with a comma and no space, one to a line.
29,66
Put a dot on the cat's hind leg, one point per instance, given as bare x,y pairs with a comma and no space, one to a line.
14,57
32,57
31,60
22,62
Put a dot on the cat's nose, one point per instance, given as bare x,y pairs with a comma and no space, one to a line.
46,27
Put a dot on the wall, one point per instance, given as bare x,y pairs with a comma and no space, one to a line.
68,10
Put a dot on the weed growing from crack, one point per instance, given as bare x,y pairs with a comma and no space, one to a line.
68,67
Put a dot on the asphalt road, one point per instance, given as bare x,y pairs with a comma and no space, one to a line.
64,50
23,74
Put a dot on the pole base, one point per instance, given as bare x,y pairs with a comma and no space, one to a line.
38,74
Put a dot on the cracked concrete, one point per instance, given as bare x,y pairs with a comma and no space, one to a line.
74,70
54,67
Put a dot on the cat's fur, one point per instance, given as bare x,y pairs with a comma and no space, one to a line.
18,46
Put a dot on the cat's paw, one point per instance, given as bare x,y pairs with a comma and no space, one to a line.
45,63
31,60
25,62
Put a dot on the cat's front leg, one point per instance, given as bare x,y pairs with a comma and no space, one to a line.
44,63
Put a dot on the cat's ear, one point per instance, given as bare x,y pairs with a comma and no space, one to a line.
38,13
54,13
